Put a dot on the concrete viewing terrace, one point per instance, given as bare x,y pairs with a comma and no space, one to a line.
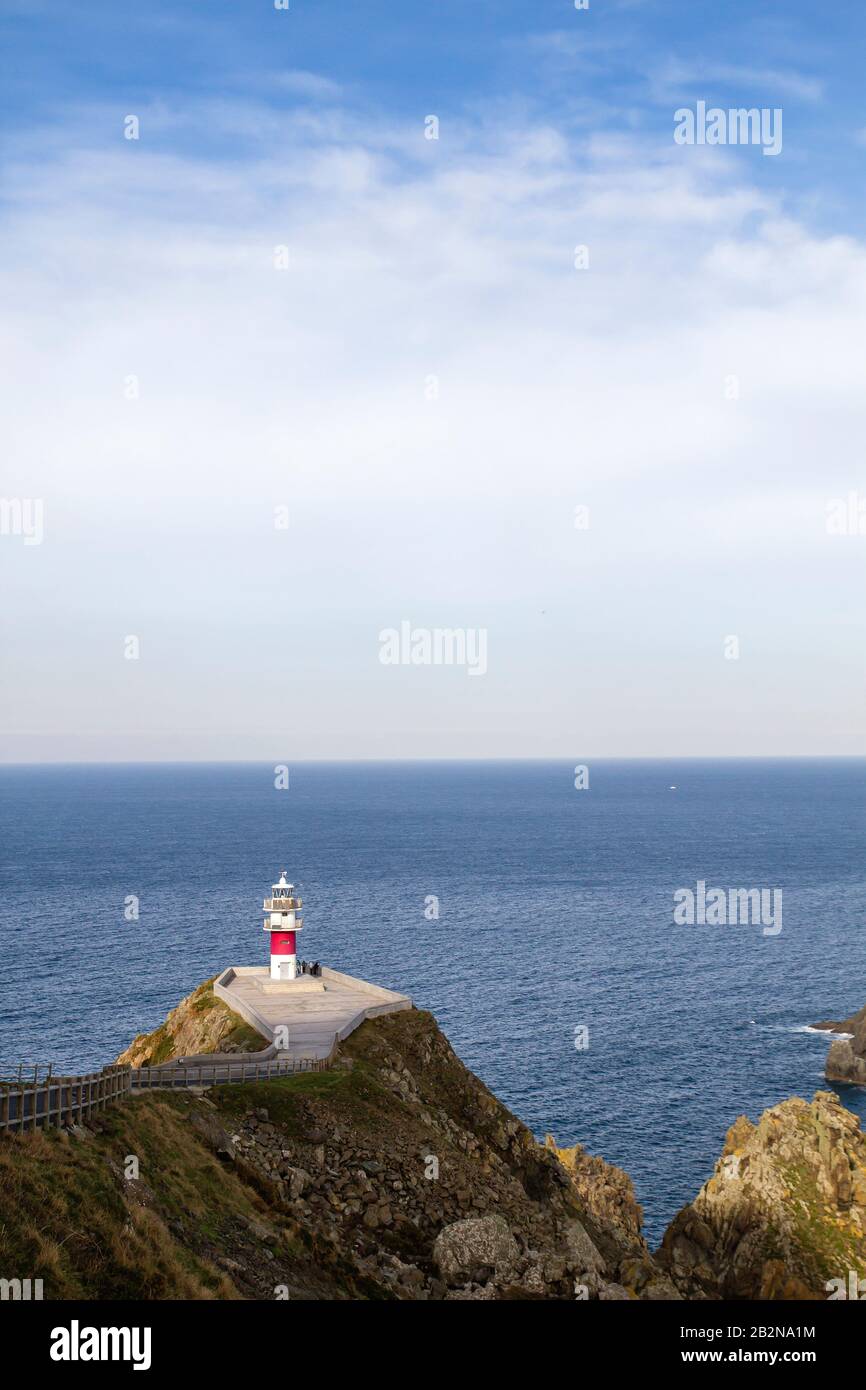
316,1011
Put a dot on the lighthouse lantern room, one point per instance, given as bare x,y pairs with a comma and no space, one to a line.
283,922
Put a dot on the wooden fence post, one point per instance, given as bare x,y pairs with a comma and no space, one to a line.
49,1100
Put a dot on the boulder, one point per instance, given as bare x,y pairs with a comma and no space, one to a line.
844,1064
475,1250
298,1180
582,1255
214,1134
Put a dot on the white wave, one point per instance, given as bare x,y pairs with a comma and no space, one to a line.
821,1032
799,1028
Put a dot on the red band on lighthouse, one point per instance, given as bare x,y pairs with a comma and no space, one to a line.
282,943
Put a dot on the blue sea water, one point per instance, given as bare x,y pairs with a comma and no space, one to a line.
555,912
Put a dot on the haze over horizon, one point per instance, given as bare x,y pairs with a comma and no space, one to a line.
593,760
285,373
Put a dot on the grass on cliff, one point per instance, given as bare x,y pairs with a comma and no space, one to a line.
69,1217
355,1096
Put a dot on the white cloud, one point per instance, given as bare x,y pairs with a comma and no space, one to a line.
755,85
411,260
297,82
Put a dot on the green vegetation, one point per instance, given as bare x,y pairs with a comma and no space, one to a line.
825,1237
279,1094
189,1227
115,1242
350,1098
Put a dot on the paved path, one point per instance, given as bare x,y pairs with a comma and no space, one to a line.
314,1018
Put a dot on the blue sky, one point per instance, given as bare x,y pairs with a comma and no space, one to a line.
617,67
430,386
446,50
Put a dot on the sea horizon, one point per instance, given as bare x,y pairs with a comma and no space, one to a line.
514,758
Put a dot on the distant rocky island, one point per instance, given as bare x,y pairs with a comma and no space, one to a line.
846,1060
397,1174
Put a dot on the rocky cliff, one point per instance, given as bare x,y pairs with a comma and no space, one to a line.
783,1214
403,1161
398,1175
846,1060
200,1023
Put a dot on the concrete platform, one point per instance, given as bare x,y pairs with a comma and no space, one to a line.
303,984
315,1019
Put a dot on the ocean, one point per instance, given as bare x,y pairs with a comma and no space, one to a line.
554,964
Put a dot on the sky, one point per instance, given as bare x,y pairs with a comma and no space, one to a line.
417,318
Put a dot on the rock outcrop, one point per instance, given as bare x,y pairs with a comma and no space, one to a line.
200,1023
844,1063
784,1213
846,1060
607,1193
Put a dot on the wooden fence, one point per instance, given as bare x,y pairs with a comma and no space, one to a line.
219,1073
48,1100
36,1098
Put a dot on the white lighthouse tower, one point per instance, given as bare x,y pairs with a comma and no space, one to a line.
283,921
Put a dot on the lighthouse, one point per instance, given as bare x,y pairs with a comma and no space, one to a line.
283,921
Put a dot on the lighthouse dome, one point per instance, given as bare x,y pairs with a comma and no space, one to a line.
283,889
